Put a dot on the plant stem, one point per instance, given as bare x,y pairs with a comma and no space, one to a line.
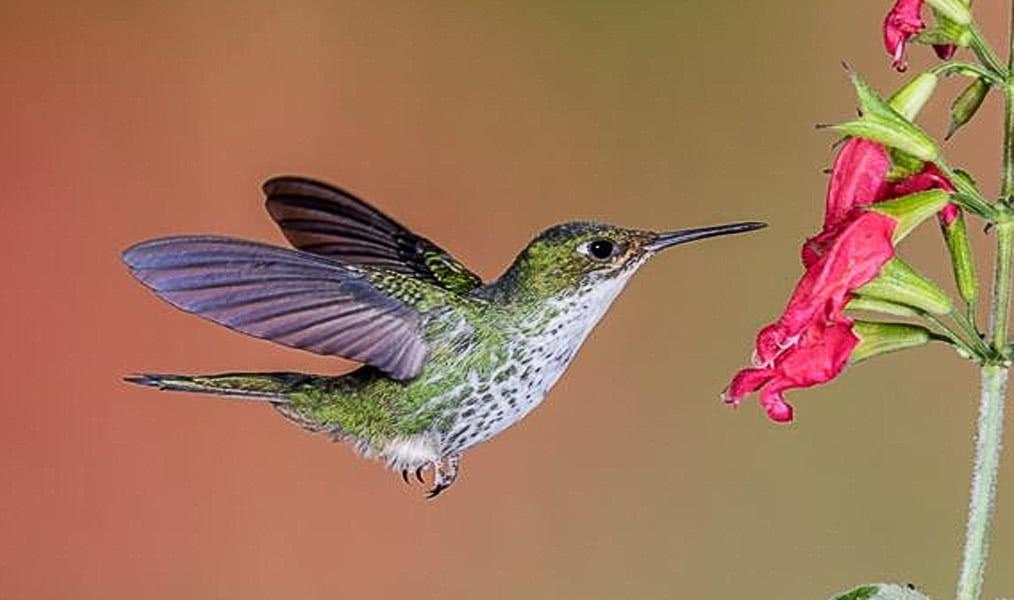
950,335
985,52
975,338
987,459
1008,129
968,196
989,437
946,69
1002,286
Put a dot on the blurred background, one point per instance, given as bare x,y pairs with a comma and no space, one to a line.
478,124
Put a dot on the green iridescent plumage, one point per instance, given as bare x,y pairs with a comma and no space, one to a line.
449,361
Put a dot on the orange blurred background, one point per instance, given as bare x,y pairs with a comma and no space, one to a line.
478,124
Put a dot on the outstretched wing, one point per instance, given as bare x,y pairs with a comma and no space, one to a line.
324,220
290,297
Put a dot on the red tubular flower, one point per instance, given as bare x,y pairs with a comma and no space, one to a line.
812,341
903,22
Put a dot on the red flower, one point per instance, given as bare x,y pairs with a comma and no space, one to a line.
812,341
903,22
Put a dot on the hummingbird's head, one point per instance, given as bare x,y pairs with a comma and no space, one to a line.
574,256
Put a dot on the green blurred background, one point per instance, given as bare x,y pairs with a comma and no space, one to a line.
477,123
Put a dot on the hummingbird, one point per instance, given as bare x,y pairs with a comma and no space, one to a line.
448,361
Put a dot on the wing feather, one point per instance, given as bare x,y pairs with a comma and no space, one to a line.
286,296
322,219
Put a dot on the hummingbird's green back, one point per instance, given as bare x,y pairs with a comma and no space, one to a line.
448,361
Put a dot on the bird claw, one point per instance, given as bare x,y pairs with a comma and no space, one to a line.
445,471
435,490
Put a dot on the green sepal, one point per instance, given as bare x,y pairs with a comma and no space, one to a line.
901,284
877,305
963,178
882,591
919,146
881,123
909,101
954,11
966,104
911,97
911,210
880,338
962,262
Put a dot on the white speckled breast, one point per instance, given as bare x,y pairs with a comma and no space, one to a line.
541,349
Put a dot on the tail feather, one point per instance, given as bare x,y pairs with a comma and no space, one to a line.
269,387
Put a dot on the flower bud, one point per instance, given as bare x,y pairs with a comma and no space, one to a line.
956,235
881,338
911,210
911,97
901,284
883,124
967,104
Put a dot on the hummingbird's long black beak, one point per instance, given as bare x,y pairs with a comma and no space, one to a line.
674,238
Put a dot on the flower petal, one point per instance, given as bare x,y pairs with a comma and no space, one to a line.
820,354
858,178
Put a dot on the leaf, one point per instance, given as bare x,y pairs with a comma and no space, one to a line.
882,591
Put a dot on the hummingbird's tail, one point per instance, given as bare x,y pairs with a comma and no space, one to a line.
269,387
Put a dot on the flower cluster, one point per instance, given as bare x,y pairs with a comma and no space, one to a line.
887,177
814,339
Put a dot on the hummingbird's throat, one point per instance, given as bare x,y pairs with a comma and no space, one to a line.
567,319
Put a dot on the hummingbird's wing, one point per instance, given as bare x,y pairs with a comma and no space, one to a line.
324,220
286,296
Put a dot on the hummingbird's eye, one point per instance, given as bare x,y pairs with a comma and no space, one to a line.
599,249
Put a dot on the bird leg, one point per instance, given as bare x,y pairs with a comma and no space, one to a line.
445,471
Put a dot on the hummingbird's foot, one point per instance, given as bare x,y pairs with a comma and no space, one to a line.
445,471
418,474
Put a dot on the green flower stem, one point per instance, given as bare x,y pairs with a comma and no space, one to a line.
1007,189
949,334
985,52
987,459
1002,285
946,69
968,327
967,197
1008,130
